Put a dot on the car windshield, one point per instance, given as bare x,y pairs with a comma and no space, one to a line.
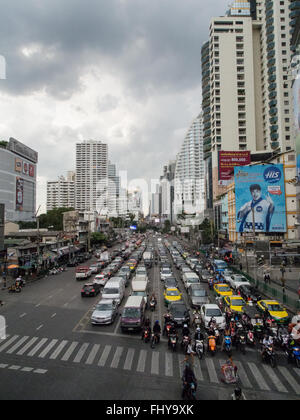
213,312
224,288
111,291
275,307
240,278
131,313
178,310
238,302
138,293
199,293
104,307
172,293
205,273
193,280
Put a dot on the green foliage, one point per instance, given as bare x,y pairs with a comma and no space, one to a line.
98,238
207,231
53,218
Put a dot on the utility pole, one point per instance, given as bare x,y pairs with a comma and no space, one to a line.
38,238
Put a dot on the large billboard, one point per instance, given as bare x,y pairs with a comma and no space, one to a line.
296,94
260,198
229,160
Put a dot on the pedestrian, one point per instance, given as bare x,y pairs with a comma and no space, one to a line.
241,267
265,278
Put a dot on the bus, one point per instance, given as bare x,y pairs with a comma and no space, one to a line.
220,265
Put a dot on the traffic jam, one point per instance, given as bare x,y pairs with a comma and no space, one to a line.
199,305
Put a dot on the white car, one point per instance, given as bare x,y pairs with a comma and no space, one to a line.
209,311
165,273
94,268
100,279
237,280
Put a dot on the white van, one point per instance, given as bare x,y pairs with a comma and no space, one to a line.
141,277
140,288
114,290
189,279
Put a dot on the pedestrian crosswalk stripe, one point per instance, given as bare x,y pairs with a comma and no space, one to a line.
116,358
59,349
17,345
69,352
211,371
47,349
155,363
129,359
286,374
169,364
104,356
278,384
37,347
258,377
8,343
81,352
198,370
142,361
243,375
27,346
92,355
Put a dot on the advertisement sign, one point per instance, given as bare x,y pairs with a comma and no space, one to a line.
19,194
18,165
25,168
229,160
31,170
260,198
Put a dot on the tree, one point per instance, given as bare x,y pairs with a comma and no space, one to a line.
53,218
206,232
98,238
167,226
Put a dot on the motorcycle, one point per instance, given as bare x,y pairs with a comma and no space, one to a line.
241,342
173,342
189,391
269,356
185,342
294,355
14,289
197,320
152,305
146,335
199,348
154,340
212,345
250,338
228,345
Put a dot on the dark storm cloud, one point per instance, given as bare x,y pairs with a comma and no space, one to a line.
150,45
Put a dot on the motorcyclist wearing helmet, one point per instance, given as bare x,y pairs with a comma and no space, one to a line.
172,331
267,341
199,335
185,331
157,330
188,378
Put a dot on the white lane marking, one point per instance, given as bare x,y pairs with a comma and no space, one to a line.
81,352
22,316
27,346
70,351
169,364
211,371
3,366
40,371
47,349
59,349
13,367
104,356
155,363
53,316
40,327
9,342
276,381
258,377
117,357
142,361
286,374
27,369
17,345
92,355
129,359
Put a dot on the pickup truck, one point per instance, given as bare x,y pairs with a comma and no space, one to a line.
83,273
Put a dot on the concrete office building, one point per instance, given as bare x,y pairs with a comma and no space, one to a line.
91,175
18,173
61,193
246,88
189,189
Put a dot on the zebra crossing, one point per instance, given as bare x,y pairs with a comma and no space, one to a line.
151,362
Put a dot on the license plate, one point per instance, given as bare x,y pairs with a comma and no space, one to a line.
130,329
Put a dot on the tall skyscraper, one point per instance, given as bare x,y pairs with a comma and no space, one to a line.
246,88
61,193
91,175
189,191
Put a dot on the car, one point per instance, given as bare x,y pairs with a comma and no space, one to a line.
249,293
190,278
205,275
274,309
94,268
90,289
235,303
209,311
141,270
197,295
165,273
179,313
170,282
172,295
105,312
236,280
100,279
222,290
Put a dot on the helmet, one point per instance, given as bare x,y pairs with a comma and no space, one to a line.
237,392
198,329
185,326
156,322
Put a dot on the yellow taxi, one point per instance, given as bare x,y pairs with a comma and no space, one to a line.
185,255
222,290
235,303
132,264
274,309
172,295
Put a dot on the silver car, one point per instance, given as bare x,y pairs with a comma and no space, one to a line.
105,312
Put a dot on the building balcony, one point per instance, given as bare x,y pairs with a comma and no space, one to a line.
273,128
274,145
272,78
272,86
273,120
273,103
274,136
273,111
273,95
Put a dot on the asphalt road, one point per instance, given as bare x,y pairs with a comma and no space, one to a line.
53,353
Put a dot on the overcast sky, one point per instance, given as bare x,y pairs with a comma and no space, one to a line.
126,72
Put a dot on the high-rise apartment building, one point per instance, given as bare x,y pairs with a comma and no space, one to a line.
246,88
189,191
91,175
61,193
167,191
